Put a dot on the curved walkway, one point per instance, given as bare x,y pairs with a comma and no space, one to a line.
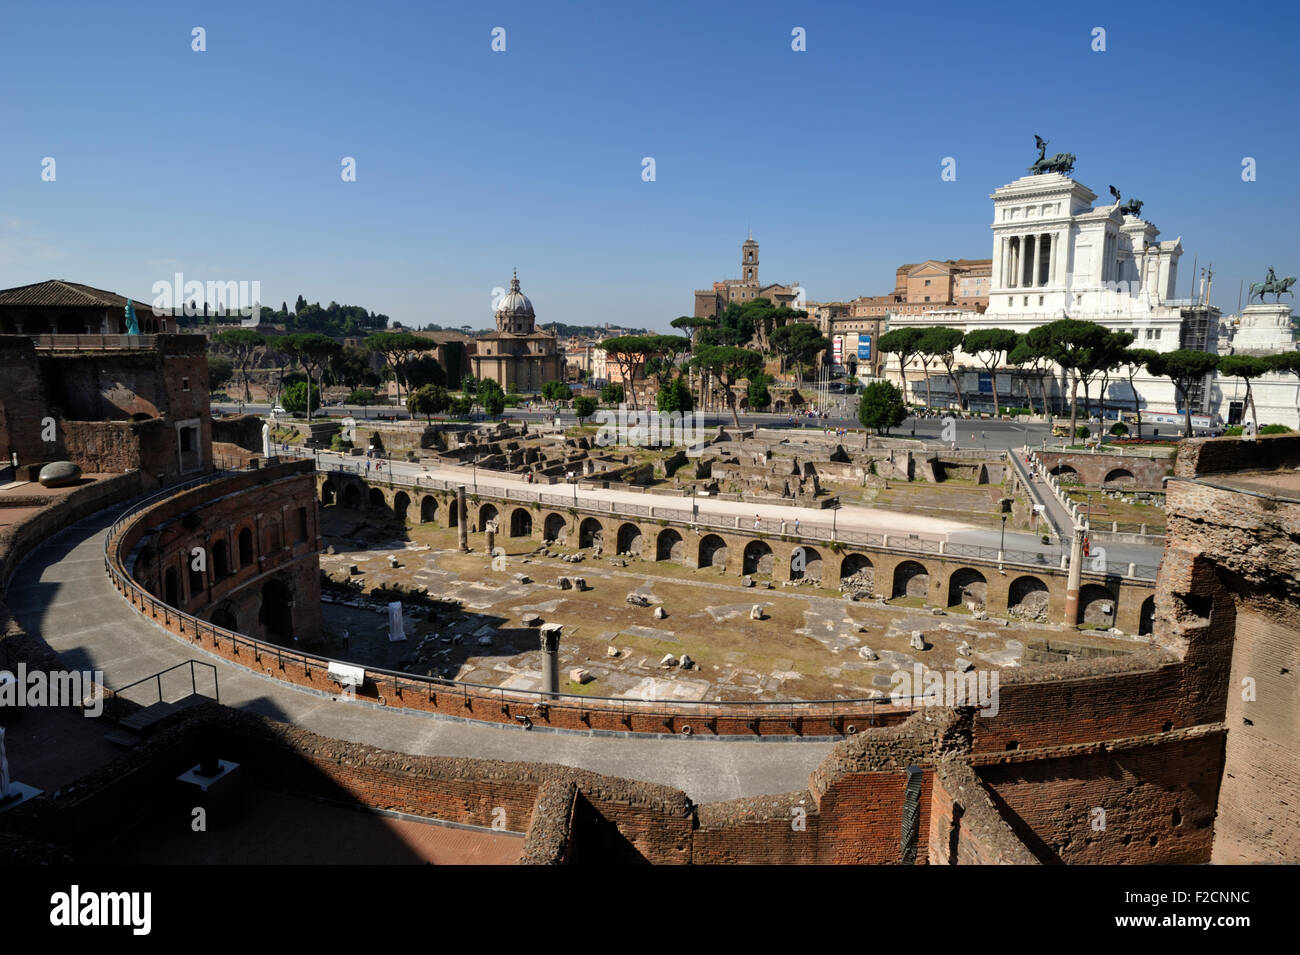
61,593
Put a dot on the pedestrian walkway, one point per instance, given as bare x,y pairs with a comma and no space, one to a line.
62,594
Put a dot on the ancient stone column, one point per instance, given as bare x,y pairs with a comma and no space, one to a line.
491,534
1072,579
550,636
462,529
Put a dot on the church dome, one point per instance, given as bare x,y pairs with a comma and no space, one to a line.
515,304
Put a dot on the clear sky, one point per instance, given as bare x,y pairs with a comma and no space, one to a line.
226,164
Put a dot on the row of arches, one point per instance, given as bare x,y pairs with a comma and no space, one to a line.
1027,595
1115,477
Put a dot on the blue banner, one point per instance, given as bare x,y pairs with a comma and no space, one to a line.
864,348
132,326
986,383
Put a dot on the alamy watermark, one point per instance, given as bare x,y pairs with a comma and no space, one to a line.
925,687
72,688
651,429
179,297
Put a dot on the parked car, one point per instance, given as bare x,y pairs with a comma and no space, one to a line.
277,410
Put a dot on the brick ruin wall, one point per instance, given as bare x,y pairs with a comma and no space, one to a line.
1232,600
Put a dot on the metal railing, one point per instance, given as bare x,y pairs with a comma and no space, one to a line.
120,692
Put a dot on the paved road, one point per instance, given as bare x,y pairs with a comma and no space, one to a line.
61,593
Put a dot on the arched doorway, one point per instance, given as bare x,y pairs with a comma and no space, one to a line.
857,571
428,509
1119,477
1027,598
377,502
486,513
712,552
967,587
225,618
401,502
521,523
1096,606
1147,617
245,547
806,563
171,596
669,546
758,559
276,613
911,580
328,494
590,533
629,540
220,560
556,528
352,497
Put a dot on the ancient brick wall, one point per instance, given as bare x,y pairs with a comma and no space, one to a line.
1231,606
21,407
1142,803
1095,469
254,528
965,827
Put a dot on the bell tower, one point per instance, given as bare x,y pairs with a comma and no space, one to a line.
749,262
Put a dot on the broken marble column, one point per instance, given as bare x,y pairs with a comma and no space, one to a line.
550,639
462,535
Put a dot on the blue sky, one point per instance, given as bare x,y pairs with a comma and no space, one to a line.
226,164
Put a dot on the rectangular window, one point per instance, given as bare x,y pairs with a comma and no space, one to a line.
185,440
185,384
302,523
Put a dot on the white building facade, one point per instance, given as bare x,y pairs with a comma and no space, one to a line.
1057,254
1261,329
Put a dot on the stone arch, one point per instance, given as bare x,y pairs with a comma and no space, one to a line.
246,547
453,511
276,613
758,559
328,493
1096,606
669,546
556,528
521,522
1066,473
220,559
352,497
428,509
591,533
224,617
811,562
1119,477
967,586
911,580
629,539
1028,597
858,570
488,512
171,592
401,503
712,552
1147,616
375,501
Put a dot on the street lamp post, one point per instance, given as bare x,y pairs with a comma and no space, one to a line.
1002,543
